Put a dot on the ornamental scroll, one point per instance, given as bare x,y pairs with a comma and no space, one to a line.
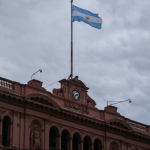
70,104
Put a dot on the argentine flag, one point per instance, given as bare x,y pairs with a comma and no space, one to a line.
86,16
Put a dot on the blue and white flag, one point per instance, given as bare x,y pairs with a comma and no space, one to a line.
86,16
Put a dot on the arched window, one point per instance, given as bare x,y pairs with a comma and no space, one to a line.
87,143
53,138
97,144
76,142
6,131
65,137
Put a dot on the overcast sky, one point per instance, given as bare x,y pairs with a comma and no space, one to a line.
114,62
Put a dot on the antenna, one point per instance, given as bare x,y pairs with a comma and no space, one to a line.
36,72
116,102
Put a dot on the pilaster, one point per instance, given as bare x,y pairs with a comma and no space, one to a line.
22,128
92,146
16,126
123,145
59,142
81,144
42,139
46,134
107,143
70,143
27,132
1,124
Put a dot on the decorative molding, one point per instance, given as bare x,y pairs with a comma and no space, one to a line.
47,121
16,113
42,98
28,116
76,106
119,124
58,92
90,101
11,113
124,144
85,109
35,83
22,115
107,139
60,126
2,111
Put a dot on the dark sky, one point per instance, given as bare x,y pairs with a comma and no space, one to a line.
113,61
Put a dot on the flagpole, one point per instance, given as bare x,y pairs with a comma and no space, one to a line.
71,43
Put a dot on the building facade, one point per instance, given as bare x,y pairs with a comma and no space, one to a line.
66,119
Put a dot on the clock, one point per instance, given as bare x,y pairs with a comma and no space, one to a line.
75,95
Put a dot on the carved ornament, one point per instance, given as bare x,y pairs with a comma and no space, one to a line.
90,101
47,121
22,115
2,111
75,81
15,113
124,144
108,139
76,106
58,92
28,116
35,83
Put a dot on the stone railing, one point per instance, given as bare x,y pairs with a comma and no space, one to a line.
5,83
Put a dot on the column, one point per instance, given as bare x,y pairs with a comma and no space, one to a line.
70,143
92,146
1,124
106,143
16,125
21,130
46,134
123,145
27,132
81,144
59,142
11,134
42,139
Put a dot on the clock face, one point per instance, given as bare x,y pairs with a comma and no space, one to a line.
76,95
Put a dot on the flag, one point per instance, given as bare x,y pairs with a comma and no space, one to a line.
86,16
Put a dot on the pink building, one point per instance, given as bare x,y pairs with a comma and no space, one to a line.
67,119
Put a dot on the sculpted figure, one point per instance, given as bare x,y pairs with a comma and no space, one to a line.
35,139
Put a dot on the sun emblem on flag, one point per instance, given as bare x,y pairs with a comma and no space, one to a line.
87,18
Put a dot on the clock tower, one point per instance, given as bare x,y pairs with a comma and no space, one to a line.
74,93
